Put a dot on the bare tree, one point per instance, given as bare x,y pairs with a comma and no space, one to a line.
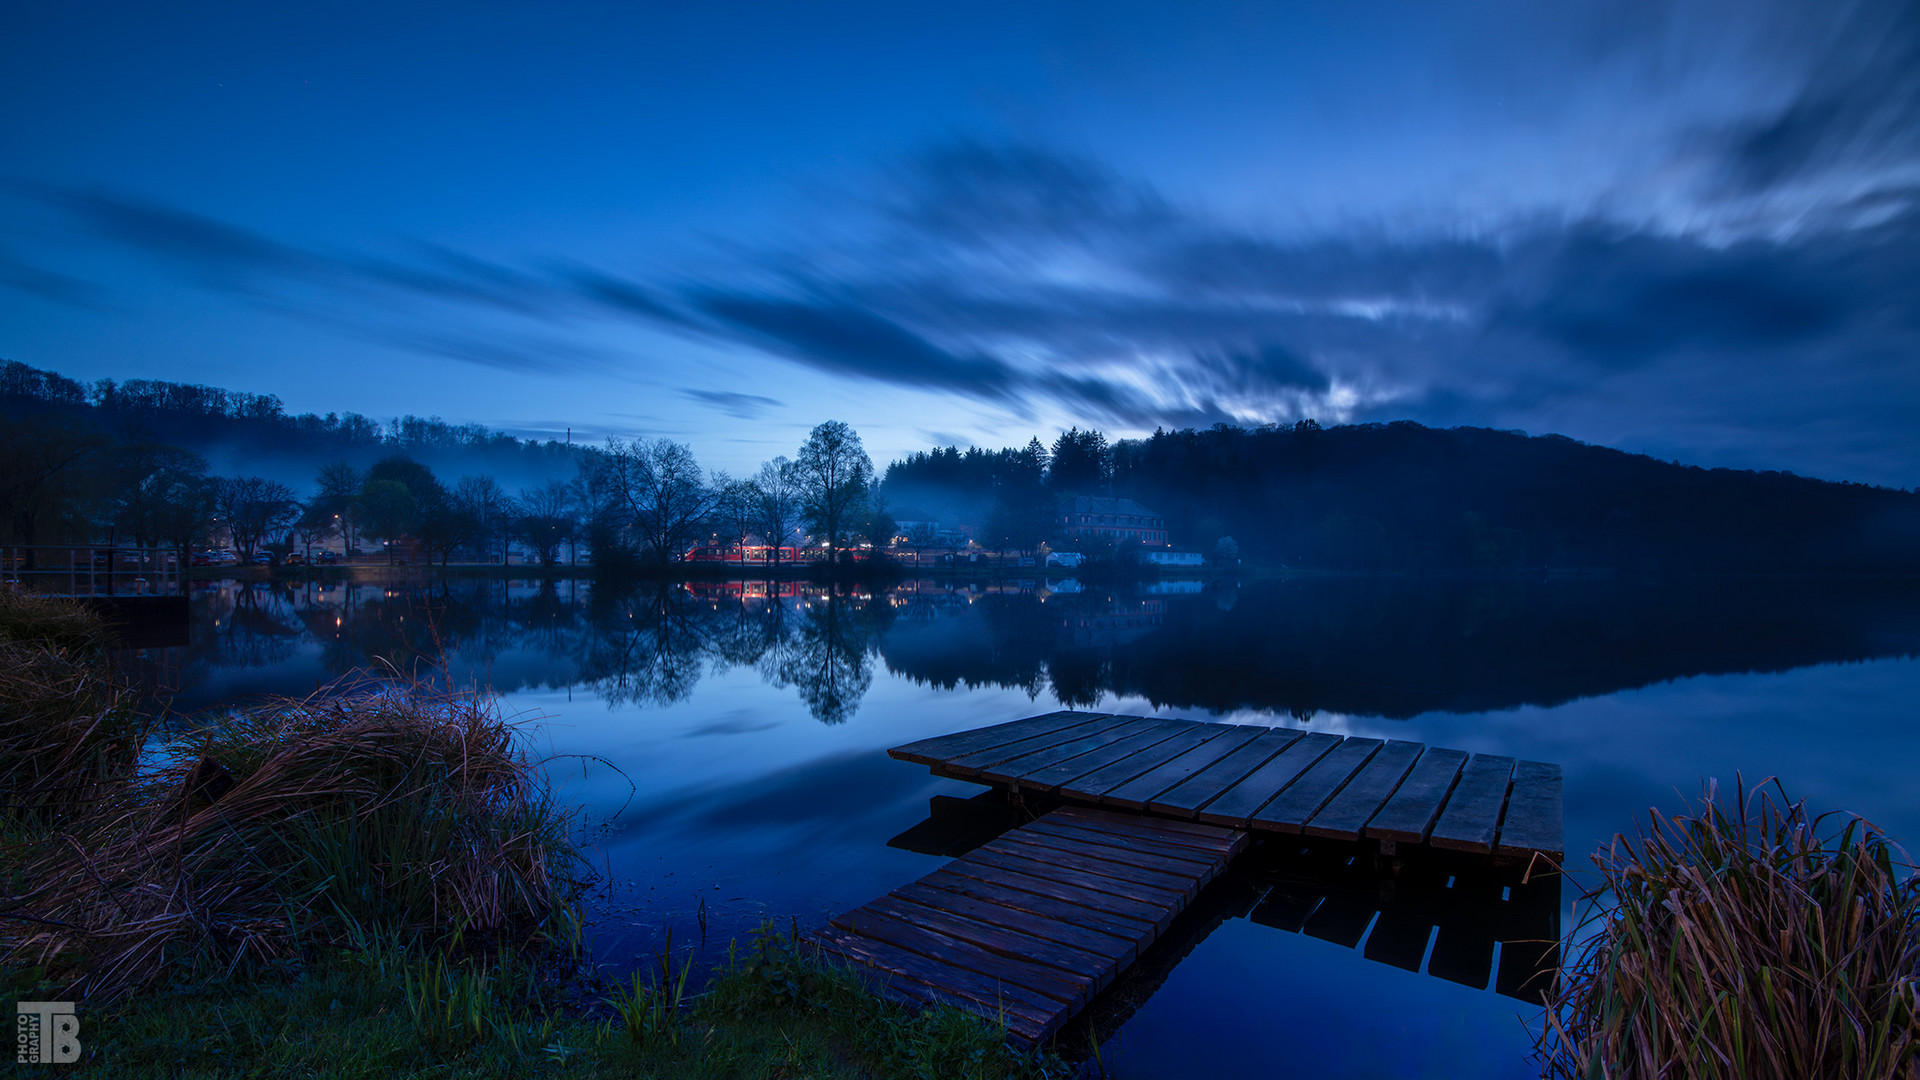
547,518
255,508
655,491
735,509
491,508
777,511
834,473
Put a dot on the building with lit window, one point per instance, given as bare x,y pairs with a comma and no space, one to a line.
1094,516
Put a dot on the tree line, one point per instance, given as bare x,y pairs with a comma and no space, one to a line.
66,480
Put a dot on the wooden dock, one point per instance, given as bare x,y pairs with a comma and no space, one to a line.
1267,779
1027,928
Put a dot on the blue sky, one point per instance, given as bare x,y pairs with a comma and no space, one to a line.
1683,229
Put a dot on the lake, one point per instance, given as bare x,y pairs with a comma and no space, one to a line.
727,739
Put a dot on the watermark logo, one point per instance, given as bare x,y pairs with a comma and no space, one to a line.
48,1033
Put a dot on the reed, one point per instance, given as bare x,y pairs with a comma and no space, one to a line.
1752,941
377,814
68,730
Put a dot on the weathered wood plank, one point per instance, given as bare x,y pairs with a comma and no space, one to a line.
1202,859
1074,906
1053,927
1186,798
1136,793
942,747
1132,877
1409,815
1000,939
1346,815
1149,905
1173,869
1534,819
1241,801
1067,988
1007,769
969,765
1188,735
1171,831
1472,813
1032,1014
1289,811
1072,770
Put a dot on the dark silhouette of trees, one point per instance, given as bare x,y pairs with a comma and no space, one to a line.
651,493
254,509
778,509
834,473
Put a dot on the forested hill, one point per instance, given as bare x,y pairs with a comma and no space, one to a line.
253,433
1404,496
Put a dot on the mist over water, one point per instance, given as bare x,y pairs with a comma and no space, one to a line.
727,739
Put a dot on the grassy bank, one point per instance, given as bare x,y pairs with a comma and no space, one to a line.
371,882
1749,940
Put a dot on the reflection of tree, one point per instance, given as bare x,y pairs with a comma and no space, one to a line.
649,645
827,658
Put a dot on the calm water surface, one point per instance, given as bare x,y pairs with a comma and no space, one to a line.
728,739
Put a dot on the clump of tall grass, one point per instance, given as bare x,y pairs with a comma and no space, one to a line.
1751,941
68,729
389,815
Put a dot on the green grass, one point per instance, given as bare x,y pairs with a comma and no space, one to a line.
776,1012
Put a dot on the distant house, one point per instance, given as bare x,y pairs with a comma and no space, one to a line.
1065,558
1095,516
1174,558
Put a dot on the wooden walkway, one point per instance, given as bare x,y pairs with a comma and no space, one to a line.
1267,779
1028,928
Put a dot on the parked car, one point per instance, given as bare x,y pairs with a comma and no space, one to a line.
324,556
294,559
262,558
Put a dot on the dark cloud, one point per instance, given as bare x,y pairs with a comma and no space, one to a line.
846,339
1026,281
1858,109
48,284
739,406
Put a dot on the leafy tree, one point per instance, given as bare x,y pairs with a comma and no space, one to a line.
50,469
834,474
387,510
315,523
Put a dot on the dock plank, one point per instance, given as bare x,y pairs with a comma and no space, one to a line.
1026,929
1136,793
1048,925
1187,736
1346,815
969,765
1534,818
1074,770
998,938
1134,878
1409,815
1472,814
1289,811
1244,799
1008,769
1186,799
942,747
1078,907
1068,989
1189,832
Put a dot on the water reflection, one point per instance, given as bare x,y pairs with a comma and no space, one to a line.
1374,647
